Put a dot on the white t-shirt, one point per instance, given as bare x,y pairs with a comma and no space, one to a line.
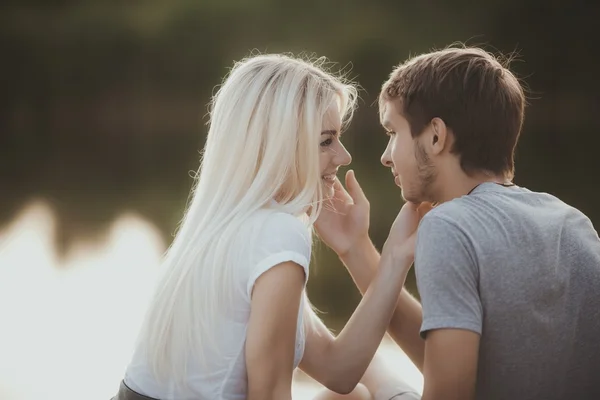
279,237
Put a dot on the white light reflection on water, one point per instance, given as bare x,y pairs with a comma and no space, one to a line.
68,326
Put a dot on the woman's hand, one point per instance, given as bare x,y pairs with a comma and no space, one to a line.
344,220
343,363
403,233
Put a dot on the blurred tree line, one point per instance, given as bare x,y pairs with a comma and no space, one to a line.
103,104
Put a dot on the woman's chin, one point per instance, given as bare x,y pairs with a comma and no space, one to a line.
328,190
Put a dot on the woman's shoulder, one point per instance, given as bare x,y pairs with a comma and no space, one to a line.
282,222
269,220
277,230
276,237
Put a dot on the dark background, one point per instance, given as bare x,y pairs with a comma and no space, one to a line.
103,104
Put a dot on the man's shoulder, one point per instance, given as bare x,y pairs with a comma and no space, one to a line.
493,204
467,217
453,212
448,224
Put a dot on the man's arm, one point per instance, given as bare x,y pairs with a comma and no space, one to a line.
450,371
448,281
362,262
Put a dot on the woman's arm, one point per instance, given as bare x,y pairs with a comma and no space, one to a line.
344,226
341,363
318,341
271,334
406,322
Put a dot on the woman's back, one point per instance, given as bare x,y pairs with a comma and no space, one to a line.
267,238
269,157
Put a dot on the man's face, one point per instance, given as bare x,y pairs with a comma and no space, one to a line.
407,157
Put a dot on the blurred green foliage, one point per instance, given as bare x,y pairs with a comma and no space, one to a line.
103,104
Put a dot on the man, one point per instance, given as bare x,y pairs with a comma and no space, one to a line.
509,279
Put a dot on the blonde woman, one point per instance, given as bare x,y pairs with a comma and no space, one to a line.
229,319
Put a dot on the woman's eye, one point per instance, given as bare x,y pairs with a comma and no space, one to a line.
390,133
326,142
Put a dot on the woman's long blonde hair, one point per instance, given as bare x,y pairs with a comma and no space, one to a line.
262,144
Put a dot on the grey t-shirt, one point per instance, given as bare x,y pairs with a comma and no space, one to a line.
522,269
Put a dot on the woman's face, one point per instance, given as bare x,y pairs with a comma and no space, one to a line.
333,154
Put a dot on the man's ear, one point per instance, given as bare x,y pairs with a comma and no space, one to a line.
438,138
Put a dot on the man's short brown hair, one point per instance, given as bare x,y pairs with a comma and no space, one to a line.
475,95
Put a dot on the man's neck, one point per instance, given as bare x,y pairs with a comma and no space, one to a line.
462,184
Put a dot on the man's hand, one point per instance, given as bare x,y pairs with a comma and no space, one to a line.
344,219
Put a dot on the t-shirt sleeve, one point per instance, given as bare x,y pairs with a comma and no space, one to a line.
447,277
282,238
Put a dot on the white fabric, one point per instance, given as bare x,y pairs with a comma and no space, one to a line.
275,237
